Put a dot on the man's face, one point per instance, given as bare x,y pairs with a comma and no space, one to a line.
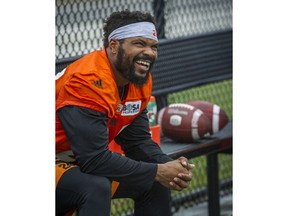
135,59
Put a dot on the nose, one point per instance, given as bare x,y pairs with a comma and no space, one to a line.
151,52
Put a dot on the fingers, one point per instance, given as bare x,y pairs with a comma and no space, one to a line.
174,186
175,175
185,177
182,179
189,166
178,184
185,163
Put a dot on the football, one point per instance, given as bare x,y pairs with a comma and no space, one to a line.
215,114
183,122
159,119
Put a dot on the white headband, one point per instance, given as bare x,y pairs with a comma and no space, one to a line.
142,29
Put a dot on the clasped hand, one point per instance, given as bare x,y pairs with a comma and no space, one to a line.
176,174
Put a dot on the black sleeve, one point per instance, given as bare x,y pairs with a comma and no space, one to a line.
87,135
137,144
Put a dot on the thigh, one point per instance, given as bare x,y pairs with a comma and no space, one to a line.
127,191
85,192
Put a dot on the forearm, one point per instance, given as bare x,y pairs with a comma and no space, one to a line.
136,142
119,168
148,151
86,131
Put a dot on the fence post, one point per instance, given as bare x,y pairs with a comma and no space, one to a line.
213,185
158,6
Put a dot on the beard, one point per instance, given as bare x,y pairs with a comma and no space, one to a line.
127,68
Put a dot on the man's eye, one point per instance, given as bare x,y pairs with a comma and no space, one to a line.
139,44
155,48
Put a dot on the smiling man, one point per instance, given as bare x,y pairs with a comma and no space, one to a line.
100,98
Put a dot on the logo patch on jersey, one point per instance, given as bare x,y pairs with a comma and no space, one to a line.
131,108
119,108
98,83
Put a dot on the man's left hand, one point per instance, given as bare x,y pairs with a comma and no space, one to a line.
182,180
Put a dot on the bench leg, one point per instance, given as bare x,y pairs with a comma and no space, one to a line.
213,185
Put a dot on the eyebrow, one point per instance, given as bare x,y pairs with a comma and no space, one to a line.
144,41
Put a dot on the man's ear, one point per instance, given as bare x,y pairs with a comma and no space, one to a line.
114,46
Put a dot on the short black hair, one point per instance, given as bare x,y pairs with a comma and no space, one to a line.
122,18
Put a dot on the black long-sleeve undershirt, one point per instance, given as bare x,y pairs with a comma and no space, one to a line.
137,144
87,134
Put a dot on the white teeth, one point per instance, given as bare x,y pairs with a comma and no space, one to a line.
144,63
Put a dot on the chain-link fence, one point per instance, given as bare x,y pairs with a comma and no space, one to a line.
79,23
79,26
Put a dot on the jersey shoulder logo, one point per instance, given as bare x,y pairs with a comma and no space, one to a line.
98,83
131,108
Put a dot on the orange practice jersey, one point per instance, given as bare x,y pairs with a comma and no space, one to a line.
89,82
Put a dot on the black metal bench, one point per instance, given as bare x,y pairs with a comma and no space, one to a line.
186,63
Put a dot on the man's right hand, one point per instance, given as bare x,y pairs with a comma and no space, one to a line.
169,172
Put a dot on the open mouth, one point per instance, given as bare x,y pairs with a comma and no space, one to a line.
143,65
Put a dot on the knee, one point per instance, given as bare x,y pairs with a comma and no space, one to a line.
97,197
157,192
100,187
